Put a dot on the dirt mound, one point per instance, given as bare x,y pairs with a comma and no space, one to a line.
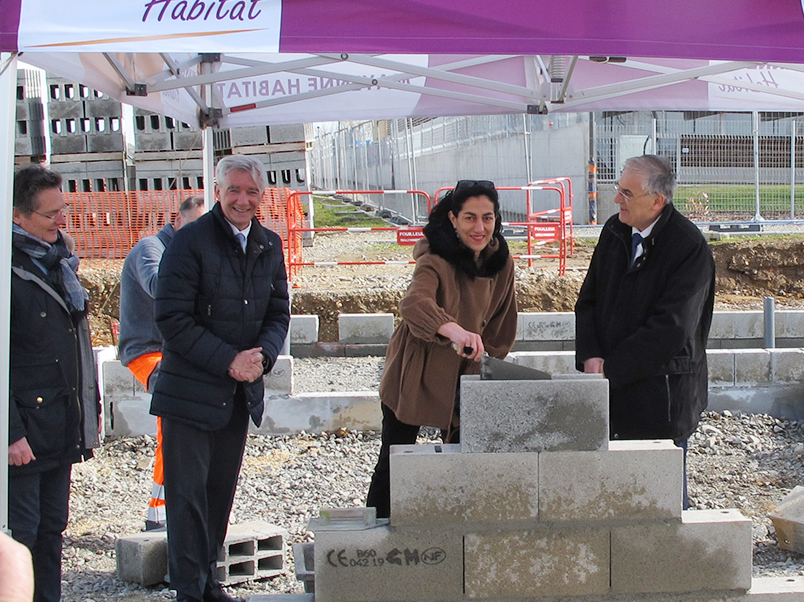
747,271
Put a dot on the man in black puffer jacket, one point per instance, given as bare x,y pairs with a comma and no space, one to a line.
222,308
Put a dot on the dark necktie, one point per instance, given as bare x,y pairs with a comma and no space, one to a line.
241,238
636,240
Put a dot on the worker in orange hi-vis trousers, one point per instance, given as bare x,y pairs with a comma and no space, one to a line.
140,345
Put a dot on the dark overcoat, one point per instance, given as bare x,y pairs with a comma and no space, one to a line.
54,392
650,323
213,301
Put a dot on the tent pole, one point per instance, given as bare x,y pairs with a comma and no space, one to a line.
8,85
208,166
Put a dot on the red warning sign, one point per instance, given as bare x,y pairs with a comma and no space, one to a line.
408,236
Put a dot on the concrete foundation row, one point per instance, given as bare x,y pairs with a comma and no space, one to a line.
750,380
367,334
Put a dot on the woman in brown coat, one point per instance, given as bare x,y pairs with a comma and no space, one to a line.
460,304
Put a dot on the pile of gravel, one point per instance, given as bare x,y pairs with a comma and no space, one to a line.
749,462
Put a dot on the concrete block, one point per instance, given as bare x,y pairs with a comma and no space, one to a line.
105,107
536,563
68,145
142,557
720,363
388,564
65,110
552,362
752,366
303,329
318,412
286,133
538,415
788,520
153,141
707,550
247,136
304,563
280,378
105,143
722,325
789,323
365,328
187,140
748,325
548,326
634,480
252,550
787,365
436,484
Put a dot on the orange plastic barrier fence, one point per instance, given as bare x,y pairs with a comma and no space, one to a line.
106,225
553,226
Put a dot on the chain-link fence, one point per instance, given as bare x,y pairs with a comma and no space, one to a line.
731,166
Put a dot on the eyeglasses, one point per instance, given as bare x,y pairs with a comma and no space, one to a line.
464,184
627,193
54,216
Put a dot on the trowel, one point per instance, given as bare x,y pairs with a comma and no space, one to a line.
493,369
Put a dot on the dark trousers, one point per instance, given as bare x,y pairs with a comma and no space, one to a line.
394,432
38,507
201,470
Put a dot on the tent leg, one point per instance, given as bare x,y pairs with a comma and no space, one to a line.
208,166
8,100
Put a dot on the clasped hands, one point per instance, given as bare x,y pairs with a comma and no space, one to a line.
247,365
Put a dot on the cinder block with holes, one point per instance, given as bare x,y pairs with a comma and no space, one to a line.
252,550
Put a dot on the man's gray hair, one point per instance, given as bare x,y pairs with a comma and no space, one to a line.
190,203
242,163
661,179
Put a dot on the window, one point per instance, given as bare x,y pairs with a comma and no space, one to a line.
143,185
155,122
100,124
70,125
22,128
55,92
69,91
139,122
55,126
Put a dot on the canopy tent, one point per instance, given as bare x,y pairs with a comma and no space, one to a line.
239,62
244,62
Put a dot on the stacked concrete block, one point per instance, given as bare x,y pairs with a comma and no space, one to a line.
554,415
252,550
563,514
365,328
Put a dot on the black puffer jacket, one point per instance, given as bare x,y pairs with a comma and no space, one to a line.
650,323
213,301
54,394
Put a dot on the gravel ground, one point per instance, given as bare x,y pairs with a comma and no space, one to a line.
748,462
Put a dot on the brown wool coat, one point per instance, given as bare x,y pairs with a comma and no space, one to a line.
421,368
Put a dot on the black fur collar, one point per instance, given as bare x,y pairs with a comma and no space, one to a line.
444,242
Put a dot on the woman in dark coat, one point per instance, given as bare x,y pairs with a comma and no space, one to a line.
459,305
